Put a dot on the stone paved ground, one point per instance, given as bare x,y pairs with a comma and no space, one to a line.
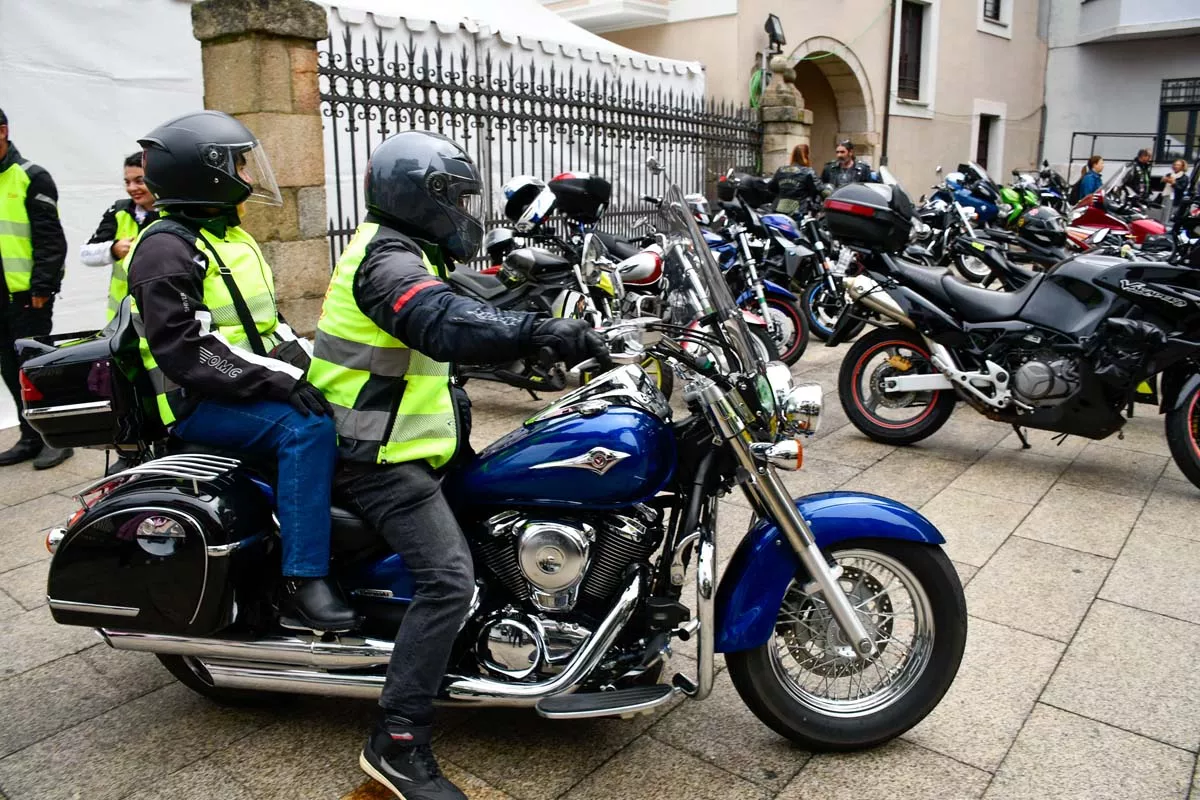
1081,564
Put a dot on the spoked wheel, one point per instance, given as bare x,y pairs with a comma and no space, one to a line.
891,417
822,307
808,684
971,268
1183,436
789,329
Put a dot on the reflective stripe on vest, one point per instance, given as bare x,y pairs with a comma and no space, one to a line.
253,277
392,404
16,242
118,285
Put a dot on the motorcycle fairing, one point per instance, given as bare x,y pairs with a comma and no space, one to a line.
771,289
764,563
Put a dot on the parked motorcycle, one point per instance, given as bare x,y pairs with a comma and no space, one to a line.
841,619
1065,352
1111,206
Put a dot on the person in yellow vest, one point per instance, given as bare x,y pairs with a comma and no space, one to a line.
227,369
390,327
32,252
119,226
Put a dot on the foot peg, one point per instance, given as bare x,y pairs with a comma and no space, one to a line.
622,703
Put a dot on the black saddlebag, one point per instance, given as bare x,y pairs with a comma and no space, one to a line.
88,389
164,552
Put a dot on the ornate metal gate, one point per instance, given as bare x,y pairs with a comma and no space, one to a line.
516,120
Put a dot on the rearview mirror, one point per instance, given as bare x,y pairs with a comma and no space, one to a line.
1098,236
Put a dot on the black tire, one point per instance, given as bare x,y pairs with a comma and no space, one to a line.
1183,435
756,677
790,346
192,674
971,268
821,308
766,343
939,405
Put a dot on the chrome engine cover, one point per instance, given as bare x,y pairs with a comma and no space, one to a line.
513,644
553,557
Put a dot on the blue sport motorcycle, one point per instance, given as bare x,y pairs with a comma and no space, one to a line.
594,532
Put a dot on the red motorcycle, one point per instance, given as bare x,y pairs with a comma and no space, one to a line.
1112,208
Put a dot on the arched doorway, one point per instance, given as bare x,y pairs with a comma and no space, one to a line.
836,90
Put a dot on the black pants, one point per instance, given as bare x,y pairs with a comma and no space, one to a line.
18,320
404,502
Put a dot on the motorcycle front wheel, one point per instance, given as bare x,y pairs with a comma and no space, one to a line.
896,418
971,268
1183,436
807,683
789,329
822,307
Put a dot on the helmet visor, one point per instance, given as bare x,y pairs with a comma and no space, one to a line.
247,163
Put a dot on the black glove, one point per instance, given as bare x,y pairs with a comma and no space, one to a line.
571,341
307,399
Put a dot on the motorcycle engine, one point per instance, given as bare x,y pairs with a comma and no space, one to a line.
1046,380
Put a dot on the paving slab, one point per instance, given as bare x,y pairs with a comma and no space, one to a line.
723,731
649,768
21,481
1171,563
1002,673
817,475
1135,670
33,638
908,476
126,749
1082,519
1061,756
849,447
974,524
965,572
1173,508
1142,434
1036,587
27,584
1121,472
22,526
202,781
896,771
1017,475
967,437
1046,443
9,607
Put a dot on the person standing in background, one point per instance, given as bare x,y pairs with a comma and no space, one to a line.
1091,180
795,185
119,226
1178,173
33,250
845,168
1137,179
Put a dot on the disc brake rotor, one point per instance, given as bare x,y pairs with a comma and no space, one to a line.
816,641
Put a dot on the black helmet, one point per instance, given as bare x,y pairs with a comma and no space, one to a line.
428,186
1042,226
207,158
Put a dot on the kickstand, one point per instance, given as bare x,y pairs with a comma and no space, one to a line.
534,395
1021,436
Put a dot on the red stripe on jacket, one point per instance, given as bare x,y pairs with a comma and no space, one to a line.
404,298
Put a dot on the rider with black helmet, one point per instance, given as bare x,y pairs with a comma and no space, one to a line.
227,370
389,330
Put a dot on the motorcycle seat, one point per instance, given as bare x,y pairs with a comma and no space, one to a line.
620,248
984,305
476,284
921,278
536,263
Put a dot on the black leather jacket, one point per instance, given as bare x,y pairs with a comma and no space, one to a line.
796,189
838,176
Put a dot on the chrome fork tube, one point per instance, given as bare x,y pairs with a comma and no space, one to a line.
773,495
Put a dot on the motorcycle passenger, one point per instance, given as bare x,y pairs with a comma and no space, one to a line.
227,369
389,330
1137,179
845,168
795,185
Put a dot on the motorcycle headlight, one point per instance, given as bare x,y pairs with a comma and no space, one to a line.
802,409
779,378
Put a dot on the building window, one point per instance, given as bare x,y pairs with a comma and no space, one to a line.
987,125
991,10
912,24
1179,120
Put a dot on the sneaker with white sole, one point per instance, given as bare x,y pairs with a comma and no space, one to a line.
398,755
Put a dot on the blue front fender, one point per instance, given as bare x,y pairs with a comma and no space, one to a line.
770,288
763,565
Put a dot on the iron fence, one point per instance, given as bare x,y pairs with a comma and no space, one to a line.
515,118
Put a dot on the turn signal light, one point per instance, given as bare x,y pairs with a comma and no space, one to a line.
787,455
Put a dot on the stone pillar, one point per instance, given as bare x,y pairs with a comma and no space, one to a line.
786,122
260,65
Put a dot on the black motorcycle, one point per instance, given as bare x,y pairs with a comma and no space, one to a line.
1065,352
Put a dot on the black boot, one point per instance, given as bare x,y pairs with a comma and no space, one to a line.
398,755
314,604
26,448
51,457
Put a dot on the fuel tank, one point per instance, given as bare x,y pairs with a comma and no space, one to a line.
607,444
781,224
1069,300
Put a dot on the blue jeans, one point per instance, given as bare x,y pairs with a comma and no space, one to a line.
306,448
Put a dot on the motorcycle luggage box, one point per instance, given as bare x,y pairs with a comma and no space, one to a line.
78,389
581,197
873,215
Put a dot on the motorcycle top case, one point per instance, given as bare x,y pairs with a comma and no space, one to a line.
162,554
581,197
873,215
79,389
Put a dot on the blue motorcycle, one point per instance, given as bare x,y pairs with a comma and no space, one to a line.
593,528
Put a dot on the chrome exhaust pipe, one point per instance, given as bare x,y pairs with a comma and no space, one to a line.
861,289
348,652
293,681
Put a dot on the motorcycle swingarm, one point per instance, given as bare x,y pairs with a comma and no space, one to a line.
764,564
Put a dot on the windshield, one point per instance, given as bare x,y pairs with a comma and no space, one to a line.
979,171
684,231
1115,179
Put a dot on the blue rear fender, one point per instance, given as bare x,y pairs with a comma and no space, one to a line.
764,563
770,289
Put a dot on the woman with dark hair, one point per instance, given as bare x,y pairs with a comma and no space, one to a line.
1091,179
795,185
